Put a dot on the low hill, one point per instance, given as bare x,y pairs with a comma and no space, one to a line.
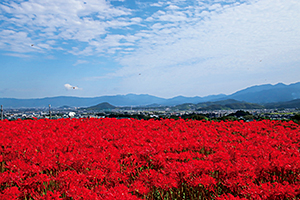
220,105
288,104
101,106
233,106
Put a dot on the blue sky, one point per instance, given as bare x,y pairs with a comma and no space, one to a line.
166,48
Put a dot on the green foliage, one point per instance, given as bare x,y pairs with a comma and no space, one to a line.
240,113
296,118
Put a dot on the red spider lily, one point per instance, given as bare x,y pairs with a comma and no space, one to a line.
154,159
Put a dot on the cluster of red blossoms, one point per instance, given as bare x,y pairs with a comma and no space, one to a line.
154,159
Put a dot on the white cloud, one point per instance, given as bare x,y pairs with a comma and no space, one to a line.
136,19
177,42
70,87
236,32
18,55
85,52
228,43
79,62
22,43
159,4
172,7
40,22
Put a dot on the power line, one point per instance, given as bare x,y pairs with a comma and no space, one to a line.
49,111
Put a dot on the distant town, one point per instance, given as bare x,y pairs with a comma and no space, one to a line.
151,113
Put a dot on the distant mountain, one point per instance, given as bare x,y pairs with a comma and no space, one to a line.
101,106
44,102
222,102
268,93
65,107
118,100
232,106
220,105
288,104
181,99
261,94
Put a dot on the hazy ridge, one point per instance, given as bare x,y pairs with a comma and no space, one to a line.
267,95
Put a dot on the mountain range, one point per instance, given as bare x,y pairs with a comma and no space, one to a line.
260,94
228,104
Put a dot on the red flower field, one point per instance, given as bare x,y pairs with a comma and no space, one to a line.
154,159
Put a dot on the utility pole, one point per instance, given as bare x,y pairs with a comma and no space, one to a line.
2,112
49,111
